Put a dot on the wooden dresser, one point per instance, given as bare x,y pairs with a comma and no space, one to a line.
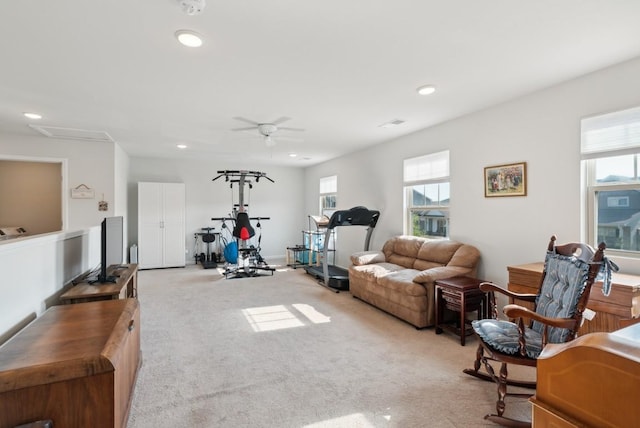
75,365
592,381
622,303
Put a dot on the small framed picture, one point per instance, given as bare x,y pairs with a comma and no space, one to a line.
505,180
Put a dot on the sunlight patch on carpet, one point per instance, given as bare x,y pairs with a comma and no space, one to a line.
354,420
278,317
268,318
311,313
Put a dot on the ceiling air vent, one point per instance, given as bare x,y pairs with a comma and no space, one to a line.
73,134
392,123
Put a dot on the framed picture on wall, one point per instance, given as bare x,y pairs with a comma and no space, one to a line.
505,180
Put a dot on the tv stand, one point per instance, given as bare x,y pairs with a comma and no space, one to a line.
124,284
109,279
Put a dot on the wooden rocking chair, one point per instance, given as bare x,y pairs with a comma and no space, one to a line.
569,272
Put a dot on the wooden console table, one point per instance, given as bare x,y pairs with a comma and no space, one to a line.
75,365
126,286
622,303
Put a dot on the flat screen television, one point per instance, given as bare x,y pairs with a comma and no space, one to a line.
111,246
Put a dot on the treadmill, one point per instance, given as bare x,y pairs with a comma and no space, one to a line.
335,277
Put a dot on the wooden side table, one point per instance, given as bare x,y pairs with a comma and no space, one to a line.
459,294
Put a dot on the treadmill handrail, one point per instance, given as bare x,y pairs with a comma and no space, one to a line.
356,216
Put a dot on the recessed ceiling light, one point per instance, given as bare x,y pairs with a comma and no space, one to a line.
426,89
189,38
293,155
181,146
32,115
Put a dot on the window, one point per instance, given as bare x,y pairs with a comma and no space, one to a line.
328,195
426,186
610,147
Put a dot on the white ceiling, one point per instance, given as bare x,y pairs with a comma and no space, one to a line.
338,69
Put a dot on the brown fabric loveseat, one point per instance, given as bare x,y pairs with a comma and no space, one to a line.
400,278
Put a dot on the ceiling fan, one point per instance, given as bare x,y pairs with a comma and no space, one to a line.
267,130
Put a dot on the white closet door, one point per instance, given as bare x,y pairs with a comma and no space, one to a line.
173,224
150,217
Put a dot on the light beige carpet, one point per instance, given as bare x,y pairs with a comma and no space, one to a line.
282,351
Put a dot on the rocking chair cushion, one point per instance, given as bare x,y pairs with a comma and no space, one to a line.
503,337
561,289
563,284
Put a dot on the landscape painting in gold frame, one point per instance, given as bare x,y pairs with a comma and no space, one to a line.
505,180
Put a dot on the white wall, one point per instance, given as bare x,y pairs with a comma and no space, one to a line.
281,201
36,269
542,129
121,199
88,163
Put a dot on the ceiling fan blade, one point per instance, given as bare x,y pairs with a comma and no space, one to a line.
242,119
280,120
248,128
290,129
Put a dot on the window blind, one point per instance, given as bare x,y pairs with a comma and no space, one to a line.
329,184
427,167
611,134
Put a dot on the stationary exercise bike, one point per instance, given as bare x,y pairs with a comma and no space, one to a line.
243,258
210,259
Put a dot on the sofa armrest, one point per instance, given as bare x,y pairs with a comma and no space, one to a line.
433,274
367,258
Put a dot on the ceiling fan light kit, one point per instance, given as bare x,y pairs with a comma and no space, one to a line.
268,141
267,130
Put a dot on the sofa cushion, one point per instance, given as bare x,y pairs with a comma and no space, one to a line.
367,257
435,251
373,271
467,256
421,265
402,250
402,282
431,275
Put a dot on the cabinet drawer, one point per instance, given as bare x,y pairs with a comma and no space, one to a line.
453,300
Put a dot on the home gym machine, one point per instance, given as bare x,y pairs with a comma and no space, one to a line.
334,277
248,261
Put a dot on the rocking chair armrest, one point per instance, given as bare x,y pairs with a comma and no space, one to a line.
490,286
515,311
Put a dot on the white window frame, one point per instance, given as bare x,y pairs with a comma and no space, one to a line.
604,136
432,168
328,187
